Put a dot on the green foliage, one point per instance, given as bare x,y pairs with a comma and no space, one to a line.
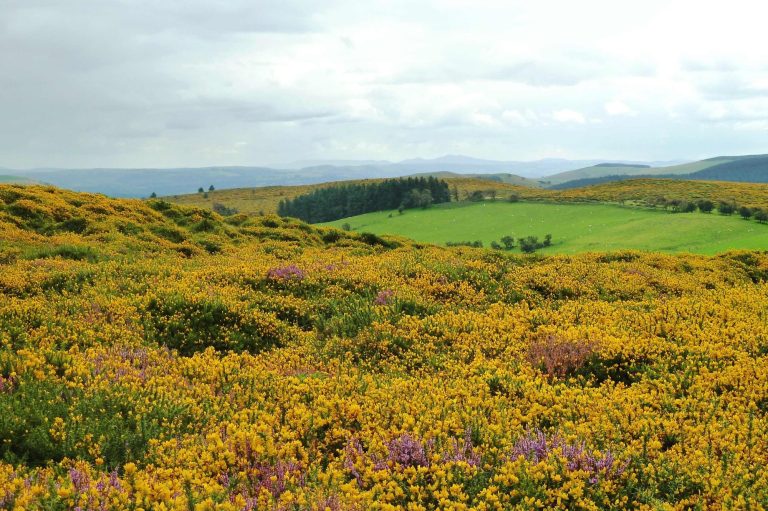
192,325
705,205
372,239
30,432
73,252
726,208
223,210
745,212
334,202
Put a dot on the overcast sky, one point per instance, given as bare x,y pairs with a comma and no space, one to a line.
206,82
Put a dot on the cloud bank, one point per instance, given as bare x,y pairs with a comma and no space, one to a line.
193,82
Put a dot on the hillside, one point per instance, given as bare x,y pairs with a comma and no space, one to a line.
142,367
596,171
647,191
265,200
511,179
753,169
750,168
575,228
15,179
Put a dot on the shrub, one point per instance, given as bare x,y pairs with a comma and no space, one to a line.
726,208
371,239
37,423
559,358
705,206
224,210
190,325
169,233
529,244
509,242
332,236
76,225
73,252
745,212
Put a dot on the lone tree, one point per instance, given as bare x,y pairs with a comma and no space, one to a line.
200,190
153,195
745,212
761,215
211,188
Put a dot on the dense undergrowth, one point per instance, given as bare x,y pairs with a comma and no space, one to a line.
159,357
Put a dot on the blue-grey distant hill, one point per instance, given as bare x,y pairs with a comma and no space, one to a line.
750,168
175,181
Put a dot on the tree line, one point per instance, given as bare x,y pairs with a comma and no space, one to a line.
707,206
333,203
527,244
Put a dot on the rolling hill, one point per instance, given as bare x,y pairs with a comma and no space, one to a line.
265,199
641,191
158,356
141,182
750,168
15,179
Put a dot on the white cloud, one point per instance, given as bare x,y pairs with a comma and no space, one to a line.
175,82
569,116
616,108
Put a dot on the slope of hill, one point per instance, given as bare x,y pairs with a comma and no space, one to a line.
270,373
15,179
644,191
647,191
753,169
265,200
575,228
511,179
750,168
596,171
143,182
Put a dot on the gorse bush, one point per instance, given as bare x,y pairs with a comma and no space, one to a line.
261,363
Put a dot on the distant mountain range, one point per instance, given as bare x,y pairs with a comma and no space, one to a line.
174,181
551,172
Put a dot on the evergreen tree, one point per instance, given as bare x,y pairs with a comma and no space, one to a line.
332,203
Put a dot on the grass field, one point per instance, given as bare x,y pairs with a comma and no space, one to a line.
574,227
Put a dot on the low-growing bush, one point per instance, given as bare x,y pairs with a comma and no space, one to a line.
559,358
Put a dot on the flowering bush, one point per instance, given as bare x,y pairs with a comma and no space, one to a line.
280,373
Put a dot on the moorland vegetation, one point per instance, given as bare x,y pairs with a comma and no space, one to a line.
154,356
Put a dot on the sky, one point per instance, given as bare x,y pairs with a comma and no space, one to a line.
170,83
